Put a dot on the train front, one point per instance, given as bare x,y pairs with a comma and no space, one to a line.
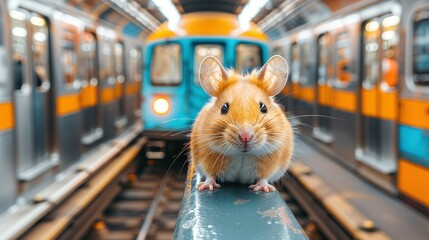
172,93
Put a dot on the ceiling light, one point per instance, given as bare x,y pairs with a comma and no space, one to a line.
250,10
168,9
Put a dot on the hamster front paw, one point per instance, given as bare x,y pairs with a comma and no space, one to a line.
262,185
209,184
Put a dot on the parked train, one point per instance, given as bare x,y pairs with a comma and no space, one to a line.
68,82
363,77
172,94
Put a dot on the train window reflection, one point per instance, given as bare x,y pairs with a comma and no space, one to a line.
370,53
323,61
119,61
249,56
305,76
134,64
390,40
40,46
19,50
421,49
89,47
107,65
343,59
295,63
166,69
68,56
202,51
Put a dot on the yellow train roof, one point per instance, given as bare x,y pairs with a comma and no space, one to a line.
207,24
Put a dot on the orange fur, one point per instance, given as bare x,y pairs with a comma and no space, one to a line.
214,135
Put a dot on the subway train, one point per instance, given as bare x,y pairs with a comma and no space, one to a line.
68,82
359,83
173,52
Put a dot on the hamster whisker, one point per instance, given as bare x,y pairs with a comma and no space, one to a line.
175,129
200,148
175,119
273,105
266,122
316,115
304,124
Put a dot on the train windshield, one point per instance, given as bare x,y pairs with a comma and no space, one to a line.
166,69
202,51
249,57
421,49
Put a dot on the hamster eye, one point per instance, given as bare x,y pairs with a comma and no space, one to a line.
262,107
225,108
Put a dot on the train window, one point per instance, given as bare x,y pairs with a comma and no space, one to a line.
89,52
323,59
305,76
68,56
119,61
370,53
107,65
134,64
40,46
295,63
248,57
421,48
389,39
203,50
166,69
343,60
19,49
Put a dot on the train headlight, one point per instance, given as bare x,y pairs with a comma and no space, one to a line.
161,105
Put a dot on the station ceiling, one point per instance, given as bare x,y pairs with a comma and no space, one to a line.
275,17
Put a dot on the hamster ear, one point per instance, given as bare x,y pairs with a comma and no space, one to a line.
274,74
211,74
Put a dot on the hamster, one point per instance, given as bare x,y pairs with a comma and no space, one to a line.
242,134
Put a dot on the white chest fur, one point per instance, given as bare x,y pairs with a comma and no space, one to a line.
242,168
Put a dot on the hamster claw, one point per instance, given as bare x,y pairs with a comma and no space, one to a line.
208,184
262,185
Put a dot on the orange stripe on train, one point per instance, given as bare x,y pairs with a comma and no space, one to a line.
414,113
412,181
67,104
7,119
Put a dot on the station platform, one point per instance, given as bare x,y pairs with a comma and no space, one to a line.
389,214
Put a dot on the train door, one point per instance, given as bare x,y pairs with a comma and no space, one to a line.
90,90
198,97
344,102
121,120
134,68
379,95
7,163
32,94
107,74
305,96
324,94
68,86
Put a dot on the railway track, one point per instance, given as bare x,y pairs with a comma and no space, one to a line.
146,208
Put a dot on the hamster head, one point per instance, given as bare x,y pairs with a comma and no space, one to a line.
243,117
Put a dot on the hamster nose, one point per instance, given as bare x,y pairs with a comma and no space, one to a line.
245,136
